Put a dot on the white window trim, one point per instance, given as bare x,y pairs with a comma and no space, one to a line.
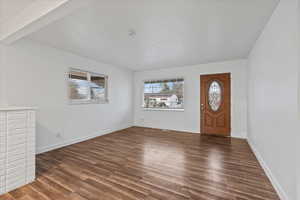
166,109
89,100
162,109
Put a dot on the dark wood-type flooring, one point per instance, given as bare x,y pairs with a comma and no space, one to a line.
149,164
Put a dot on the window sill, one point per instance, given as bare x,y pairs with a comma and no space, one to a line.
87,102
158,109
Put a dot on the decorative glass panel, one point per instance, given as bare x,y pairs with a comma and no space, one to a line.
215,95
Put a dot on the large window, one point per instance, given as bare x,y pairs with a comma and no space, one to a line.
164,94
87,87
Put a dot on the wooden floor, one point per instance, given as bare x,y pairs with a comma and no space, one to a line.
149,164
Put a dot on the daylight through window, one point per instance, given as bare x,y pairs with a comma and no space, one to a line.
164,94
87,87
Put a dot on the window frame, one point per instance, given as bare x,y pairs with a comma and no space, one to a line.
89,100
163,109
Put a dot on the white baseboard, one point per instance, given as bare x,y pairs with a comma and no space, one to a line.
233,135
179,130
281,193
77,140
238,135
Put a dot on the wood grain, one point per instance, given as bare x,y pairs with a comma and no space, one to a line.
216,122
149,164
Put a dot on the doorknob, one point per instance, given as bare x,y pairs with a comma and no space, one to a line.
202,106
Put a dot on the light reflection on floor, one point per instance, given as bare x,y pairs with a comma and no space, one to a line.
171,157
162,155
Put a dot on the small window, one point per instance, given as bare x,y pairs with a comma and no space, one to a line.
87,87
164,94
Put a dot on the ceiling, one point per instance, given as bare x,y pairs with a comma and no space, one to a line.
166,33
10,8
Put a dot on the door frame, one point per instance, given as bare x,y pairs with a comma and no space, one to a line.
202,100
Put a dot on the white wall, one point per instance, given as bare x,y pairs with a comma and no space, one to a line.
272,112
189,120
298,150
36,75
2,99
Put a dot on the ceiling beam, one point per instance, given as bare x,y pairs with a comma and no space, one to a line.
34,17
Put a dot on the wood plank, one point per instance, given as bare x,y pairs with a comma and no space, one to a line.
149,164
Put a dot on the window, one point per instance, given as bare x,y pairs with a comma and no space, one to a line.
164,94
87,87
214,96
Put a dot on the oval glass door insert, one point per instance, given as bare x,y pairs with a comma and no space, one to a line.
215,95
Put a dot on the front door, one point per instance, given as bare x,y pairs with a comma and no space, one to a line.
215,104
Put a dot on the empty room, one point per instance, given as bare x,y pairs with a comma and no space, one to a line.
149,100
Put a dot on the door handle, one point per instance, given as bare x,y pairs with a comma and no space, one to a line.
202,106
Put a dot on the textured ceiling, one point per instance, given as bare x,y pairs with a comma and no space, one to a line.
10,8
169,33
